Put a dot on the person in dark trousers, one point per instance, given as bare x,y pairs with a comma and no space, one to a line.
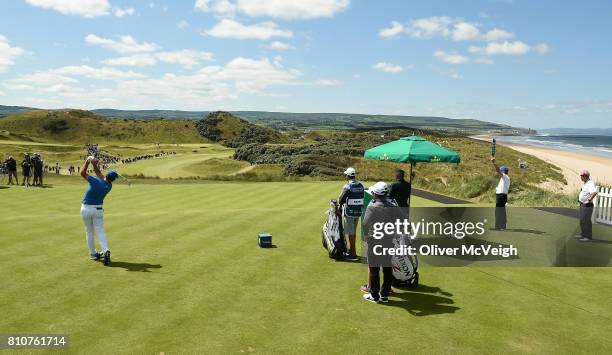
351,204
585,198
26,170
501,195
380,210
11,167
400,189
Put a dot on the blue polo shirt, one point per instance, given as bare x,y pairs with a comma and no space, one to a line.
97,191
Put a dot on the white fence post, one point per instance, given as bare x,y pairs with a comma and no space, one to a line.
603,206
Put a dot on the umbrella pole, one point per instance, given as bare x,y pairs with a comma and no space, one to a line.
410,195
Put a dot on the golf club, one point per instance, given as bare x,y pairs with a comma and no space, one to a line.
126,180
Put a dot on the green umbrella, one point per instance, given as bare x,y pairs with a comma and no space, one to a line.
412,150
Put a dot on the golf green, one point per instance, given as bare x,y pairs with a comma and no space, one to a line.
188,277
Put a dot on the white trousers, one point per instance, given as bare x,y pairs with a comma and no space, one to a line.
93,218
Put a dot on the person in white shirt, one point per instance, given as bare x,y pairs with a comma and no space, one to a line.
501,195
585,198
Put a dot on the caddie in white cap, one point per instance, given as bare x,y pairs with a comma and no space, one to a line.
351,202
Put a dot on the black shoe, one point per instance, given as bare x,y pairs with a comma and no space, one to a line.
107,258
383,299
95,256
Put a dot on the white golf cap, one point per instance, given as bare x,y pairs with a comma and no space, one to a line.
350,172
380,188
585,173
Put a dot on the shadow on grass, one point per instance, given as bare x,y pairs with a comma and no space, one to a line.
138,267
424,301
523,230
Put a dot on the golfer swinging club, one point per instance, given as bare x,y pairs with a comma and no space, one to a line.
92,211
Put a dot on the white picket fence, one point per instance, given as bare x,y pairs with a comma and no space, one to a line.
603,206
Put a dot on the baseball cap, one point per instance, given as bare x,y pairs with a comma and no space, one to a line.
585,173
350,172
504,168
112,175
380,188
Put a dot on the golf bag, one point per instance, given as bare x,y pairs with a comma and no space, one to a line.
404,266
333,233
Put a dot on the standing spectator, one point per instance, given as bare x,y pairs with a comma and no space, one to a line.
37,165
26,167
501,195
11,167
585,198
400,189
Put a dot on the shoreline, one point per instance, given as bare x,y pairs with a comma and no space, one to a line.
570,163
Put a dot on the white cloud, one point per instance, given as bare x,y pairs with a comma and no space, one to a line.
121,12
465,31
425,28
496,34
8,54
541,48
283,9
329,82
392,31
280,46
451,58
507,48
96,73
85,8
387,67
187,58
227,28
210,85
136,60
125,44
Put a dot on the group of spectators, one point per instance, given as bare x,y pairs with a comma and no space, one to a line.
32,170
106,158
33,167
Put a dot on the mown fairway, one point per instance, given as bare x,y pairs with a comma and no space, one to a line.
188,276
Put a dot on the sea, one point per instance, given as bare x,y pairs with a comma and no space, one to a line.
585,144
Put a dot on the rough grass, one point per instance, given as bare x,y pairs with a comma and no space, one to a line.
188,277
76,126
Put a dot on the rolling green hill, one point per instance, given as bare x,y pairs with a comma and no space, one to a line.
234,131
77,126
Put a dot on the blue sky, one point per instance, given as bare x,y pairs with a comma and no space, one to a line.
527,63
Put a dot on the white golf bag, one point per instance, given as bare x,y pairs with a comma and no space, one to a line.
404,266
333,233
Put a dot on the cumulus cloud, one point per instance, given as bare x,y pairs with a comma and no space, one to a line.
465,31
208,85
430,27
329,82
387,67
541,48
8,54
125,44
84,8
121,12
392,31
283,9
280,46
450,58
136,60
498,35
507,48
227,28
187,58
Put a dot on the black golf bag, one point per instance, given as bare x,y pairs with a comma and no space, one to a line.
333,233
405,267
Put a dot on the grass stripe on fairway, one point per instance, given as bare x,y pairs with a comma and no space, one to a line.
188,277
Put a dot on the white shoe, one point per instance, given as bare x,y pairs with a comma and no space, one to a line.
368,297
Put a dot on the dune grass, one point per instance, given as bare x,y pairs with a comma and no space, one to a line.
188,277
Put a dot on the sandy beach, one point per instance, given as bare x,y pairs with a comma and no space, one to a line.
570,163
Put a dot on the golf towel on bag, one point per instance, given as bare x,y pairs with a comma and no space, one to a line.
332,234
